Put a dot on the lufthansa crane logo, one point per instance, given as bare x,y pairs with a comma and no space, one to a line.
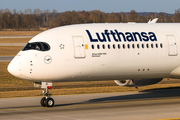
47,59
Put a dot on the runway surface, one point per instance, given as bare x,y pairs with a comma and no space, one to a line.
145,105
13,44
6,58
15,36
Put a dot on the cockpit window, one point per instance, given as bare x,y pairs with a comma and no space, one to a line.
46,47
41,46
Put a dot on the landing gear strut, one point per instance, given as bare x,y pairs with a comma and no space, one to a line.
47,101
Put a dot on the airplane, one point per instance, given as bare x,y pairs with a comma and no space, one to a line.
131,54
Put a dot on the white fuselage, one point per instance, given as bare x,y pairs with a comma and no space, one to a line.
107,51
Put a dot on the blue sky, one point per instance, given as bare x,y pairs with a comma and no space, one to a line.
168,6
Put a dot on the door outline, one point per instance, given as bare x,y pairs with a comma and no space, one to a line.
172,45
79,47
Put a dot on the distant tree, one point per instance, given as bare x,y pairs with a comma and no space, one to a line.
96,16
15,20
161,17
1,19
123,17
176,17
143,19
153,15
6,18
111,18
34,19
46,17
132,16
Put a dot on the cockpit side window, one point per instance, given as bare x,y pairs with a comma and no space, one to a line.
40,46
46,46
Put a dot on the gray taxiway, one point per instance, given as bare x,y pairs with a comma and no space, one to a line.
15,36
6,58
13,44
9,58
145,105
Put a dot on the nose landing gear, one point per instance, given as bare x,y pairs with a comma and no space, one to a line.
47,101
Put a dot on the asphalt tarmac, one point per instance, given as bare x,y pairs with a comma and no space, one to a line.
13,44
145,105
6,58
15,36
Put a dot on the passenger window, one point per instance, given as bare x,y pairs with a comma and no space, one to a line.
114,46
152,46
161,45
103,46
128,46
156,45
123,46
98,47
133,46
118,46
142,45
137,45
147,45
108,46
92,46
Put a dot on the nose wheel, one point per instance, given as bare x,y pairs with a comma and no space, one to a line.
47,101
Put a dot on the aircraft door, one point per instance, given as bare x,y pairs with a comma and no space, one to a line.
172,45
79,47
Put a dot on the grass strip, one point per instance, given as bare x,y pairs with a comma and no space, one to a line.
11,86
85,90
7,80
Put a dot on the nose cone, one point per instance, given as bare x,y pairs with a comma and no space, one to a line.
14,67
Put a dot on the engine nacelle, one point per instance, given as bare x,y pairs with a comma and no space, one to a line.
137,83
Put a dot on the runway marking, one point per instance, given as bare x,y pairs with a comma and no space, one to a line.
148,101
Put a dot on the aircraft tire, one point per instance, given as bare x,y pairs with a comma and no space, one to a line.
49,102
43,102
